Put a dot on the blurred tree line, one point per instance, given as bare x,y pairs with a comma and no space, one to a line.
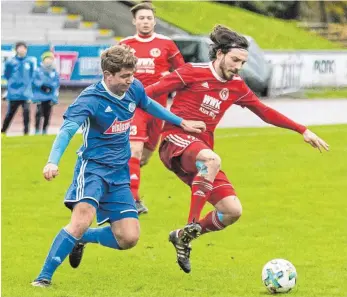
310,11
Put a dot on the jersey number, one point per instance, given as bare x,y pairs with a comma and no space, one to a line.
133,130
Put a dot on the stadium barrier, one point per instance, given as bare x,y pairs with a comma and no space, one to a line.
292,70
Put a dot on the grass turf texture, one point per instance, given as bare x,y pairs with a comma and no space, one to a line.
326,93
270,33
293,207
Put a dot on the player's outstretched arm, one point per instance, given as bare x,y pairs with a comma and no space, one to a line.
273,117
67,131
315,141
158,111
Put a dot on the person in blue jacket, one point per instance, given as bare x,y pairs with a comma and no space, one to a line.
19,72
45,91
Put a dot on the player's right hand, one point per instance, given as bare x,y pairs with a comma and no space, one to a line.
193,126
315,141
50,171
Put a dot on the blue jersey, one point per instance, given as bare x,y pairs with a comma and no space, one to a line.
49,78
105,119
19,74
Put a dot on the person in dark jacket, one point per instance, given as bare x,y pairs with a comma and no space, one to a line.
19,72
45,91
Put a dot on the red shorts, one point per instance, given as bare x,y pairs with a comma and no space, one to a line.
171,150
146,128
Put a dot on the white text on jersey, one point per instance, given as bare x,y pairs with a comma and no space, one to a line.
118,127
145,65
210,106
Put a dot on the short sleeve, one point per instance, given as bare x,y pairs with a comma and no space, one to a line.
85,106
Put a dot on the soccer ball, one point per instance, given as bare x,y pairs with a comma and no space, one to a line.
279,276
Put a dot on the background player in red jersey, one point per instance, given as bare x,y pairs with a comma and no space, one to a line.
204,92
157,55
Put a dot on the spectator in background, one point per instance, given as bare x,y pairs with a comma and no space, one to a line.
19,73
45,91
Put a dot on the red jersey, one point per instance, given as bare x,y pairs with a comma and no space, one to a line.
156,54
203,95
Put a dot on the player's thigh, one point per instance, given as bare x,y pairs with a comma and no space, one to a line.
83,196
136,148
197,151
83,210
138,128
146,155
229,205
223,193
82,217
118,208
87,185
154,128
171,150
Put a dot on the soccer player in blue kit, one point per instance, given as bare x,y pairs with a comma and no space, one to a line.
101,182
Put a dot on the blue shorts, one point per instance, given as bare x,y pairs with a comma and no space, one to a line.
106,189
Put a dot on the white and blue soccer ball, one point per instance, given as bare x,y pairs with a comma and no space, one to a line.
279,276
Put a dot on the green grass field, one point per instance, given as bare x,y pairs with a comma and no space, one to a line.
199,17
326,93
294,207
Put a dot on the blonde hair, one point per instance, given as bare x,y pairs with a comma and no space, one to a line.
117,57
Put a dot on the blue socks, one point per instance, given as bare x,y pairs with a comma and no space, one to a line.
62,246
101,235
64,242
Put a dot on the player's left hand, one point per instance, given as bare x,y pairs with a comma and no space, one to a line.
50,171
315,141
193,126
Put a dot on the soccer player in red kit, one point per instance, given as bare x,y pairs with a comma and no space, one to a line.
204,92
157,55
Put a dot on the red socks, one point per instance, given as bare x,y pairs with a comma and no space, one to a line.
134,166
201,190
211,222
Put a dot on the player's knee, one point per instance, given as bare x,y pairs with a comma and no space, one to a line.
136,154
128,240
213,162
136,149
232,214
82,217
236,212
77,230
146,155
144,160
127,237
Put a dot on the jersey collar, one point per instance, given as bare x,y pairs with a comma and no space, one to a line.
137,37
215,74
111,93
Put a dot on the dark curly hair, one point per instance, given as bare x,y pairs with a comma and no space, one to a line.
225,39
